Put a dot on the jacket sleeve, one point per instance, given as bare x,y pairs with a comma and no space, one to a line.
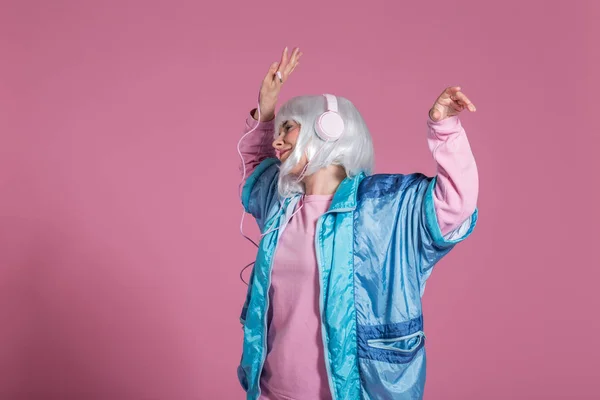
418,236
433,243
440,212
259,193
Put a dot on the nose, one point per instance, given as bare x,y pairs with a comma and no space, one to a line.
278,142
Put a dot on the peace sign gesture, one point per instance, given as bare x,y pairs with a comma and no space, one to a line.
278,74
451,102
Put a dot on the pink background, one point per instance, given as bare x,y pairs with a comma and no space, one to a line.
119,244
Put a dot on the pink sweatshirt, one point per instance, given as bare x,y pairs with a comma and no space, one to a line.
295,364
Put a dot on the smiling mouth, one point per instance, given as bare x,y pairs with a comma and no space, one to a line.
281,154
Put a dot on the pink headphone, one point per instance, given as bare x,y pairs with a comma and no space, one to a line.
330,125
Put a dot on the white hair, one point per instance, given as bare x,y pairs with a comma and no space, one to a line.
353,150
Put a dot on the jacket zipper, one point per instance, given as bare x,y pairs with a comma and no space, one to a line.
321,307
265,328
322,299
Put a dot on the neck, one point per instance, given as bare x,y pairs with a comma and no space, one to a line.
324,181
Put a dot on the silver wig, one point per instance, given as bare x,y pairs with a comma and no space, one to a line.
353,151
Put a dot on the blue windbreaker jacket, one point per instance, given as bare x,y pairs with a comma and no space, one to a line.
376,247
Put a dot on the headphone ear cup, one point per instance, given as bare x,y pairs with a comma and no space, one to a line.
329,126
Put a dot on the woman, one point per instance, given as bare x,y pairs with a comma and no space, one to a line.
333,309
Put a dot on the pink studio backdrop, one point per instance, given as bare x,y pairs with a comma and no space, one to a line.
119,251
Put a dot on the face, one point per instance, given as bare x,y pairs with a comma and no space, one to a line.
285,143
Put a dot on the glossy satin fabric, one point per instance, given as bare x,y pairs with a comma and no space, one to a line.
375,248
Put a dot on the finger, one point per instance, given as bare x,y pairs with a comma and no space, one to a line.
464,100
293,60
436,115
295,55
296,63
293,68
469,106
456,106
297,60
284,59
274,67
272,71
450,92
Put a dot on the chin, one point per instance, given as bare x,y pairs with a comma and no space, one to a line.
297,169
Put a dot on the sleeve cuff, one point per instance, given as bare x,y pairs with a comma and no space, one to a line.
262,125
445,126
432,223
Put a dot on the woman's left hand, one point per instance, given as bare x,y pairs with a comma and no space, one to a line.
451,102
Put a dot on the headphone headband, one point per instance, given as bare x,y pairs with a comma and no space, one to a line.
330,125
331,102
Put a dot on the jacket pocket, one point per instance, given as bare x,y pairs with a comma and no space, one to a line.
403,344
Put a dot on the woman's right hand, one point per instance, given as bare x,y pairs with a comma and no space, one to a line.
271,86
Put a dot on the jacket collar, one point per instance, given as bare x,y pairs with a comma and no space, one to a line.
344,198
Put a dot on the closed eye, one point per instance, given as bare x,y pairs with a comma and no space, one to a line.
286,126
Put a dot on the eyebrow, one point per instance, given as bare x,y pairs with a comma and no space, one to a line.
287,122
